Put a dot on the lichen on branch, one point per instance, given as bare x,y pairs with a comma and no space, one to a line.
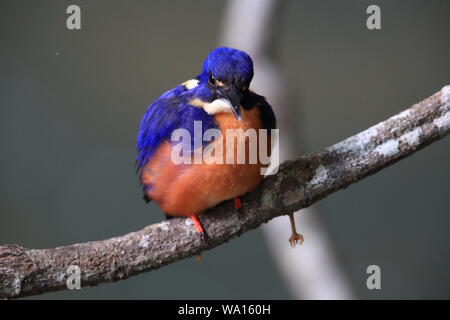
298,184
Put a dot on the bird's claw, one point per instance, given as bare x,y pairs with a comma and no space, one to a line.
237,204
296,239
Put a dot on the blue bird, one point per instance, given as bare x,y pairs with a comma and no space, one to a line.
220,99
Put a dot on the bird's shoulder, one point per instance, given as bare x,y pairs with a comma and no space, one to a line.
171,111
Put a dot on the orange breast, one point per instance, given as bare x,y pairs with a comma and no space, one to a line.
186,189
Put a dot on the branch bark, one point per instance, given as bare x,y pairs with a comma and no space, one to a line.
298,184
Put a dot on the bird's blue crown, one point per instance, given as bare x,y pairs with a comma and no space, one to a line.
229,65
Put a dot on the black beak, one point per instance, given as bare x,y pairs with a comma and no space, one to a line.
232,95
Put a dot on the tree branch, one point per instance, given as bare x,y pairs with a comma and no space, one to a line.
298,184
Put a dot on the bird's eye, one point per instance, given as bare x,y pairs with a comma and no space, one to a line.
211,80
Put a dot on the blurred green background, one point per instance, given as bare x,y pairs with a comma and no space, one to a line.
71,102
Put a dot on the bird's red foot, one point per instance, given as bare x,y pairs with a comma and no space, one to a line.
295,239
198,225
237,203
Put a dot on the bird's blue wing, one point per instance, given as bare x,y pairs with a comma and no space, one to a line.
157,124
169,112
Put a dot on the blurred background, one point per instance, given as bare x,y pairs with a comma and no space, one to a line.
71,102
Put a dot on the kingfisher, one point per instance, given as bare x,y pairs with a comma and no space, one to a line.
218,98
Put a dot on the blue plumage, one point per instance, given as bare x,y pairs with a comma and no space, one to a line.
169,112
172,110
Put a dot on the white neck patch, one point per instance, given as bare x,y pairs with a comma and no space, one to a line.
217,106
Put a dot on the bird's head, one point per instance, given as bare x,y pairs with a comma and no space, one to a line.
228,73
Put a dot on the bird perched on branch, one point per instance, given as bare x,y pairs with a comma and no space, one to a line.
203,174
